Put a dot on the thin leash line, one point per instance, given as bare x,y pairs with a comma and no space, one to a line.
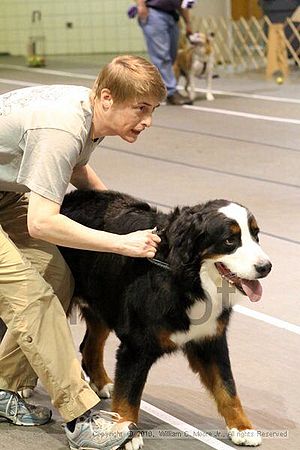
159,263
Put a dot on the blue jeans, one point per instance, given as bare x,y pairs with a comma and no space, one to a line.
161,34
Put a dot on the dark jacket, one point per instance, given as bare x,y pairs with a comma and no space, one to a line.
164,5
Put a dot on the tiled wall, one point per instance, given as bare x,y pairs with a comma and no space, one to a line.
98,26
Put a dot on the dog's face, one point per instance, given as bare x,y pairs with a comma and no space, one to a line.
222,238
198,38
233,249
202,41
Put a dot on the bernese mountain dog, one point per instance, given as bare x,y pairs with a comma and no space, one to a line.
208,259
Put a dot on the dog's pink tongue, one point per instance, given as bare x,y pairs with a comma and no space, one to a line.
252,289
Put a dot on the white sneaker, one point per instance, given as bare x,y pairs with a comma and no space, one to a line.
102,431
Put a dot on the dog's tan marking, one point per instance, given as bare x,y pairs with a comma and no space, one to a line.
208,47
221,326
184,60
253,224
229,406
165,342
93,352
125,410
235,229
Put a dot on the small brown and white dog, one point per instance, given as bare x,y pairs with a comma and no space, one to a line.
194,60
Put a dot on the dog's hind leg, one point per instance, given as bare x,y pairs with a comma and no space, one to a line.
133,365
92,349
211,361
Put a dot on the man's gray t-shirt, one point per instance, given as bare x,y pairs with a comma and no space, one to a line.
44,135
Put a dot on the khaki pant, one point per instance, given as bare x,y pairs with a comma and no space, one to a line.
35,290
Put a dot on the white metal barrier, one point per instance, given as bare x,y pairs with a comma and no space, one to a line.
243,45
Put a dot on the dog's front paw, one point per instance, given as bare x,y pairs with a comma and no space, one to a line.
248,437
210,97
135,444
105,392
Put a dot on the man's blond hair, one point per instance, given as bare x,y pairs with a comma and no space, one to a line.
130,78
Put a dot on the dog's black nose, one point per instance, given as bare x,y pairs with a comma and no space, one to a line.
263,269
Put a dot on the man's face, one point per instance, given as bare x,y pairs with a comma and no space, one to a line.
130,119
127,119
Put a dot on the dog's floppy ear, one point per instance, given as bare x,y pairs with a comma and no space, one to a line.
185,234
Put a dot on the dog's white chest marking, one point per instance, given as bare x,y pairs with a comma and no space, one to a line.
197,68
204,314
203,318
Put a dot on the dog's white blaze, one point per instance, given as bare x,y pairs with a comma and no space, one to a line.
249,254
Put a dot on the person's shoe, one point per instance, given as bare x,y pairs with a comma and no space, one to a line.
14,409
178,99
102,431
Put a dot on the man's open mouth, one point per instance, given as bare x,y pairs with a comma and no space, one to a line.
137,132
251,288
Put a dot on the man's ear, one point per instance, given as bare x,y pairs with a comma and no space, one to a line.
106,98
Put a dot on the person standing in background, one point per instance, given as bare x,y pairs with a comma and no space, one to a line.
159,22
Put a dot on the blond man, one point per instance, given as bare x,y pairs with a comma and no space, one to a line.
47,135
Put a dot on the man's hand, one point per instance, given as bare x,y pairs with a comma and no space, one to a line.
188,29
142,11
142,244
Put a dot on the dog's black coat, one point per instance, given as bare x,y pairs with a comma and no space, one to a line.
139,300
132,292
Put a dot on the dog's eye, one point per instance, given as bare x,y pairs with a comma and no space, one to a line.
229,242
